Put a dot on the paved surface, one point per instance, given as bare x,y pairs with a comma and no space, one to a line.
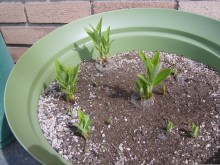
14,154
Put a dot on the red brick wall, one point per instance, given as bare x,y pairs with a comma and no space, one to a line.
23,22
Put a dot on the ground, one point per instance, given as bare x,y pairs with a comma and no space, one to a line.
137,134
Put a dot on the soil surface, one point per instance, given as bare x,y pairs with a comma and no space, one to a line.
137,135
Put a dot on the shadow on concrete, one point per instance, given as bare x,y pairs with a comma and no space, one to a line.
46,156
14,154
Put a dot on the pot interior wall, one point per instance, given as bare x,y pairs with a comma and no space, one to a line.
155,30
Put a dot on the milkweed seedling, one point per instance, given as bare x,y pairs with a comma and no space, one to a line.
174,72
95,83
109,121
70,112
67,77
195,130
170,126
154,76
84,125
101,41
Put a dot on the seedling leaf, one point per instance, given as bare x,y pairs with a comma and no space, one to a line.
161,76
170,126
101,40
84,125
146,83
67,77
195,130
155,58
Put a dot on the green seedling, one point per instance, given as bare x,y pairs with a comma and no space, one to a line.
109,121
101,41
163,89
70,112
67,79
195,130
174,72
170,126
84,125
95,83
146,83
102,148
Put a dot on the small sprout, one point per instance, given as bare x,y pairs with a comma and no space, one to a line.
102,148
170,126
95,83
195,130
154,77
67,77
84,125
109,121
70,112
101,41
174,72
163,89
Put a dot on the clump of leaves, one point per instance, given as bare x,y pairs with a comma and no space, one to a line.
170,126
154,76
101,41
67,79
195,130
84,125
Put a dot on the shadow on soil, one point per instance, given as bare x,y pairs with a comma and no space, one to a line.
215,159
185,133
118,92
75,130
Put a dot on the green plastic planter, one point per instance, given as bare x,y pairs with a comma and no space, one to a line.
6,65
193,36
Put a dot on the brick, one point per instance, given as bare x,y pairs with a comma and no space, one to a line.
12,13
57,12
24,35
17,52
206,8
103,6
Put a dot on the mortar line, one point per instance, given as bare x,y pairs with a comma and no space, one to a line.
176,7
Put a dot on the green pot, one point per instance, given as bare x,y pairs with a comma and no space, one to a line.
191,35
6,65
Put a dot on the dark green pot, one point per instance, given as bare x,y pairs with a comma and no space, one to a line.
6,65
193,36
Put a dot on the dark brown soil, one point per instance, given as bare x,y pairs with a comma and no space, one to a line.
138,135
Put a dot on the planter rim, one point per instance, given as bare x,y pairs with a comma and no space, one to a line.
155,29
